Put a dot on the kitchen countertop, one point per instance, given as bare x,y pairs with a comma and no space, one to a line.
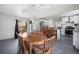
76,31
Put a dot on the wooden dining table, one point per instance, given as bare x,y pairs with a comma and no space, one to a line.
35,38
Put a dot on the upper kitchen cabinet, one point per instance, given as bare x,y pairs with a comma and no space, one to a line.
65,19
71,18
76,19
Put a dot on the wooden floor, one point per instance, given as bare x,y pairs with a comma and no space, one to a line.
62,46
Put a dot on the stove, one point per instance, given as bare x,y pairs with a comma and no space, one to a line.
69,30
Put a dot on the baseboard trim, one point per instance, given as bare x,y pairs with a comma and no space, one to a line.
7,39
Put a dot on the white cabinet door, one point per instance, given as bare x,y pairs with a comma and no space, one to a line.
71,18
65,19
58,34
62,31
76,19
76,39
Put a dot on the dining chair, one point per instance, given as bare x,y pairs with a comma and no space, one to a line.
53,39
23,48
39,48
46,47
49,45
48,31
48,51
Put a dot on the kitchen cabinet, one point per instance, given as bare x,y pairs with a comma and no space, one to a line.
62,31
58,34
64,24
65,19
76,19
76,39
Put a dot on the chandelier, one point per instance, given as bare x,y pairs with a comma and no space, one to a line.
33,7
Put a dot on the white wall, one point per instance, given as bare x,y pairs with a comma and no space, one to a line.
7,26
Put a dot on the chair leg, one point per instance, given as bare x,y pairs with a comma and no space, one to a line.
18,50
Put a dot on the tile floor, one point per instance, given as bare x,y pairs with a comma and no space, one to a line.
65,46
62,46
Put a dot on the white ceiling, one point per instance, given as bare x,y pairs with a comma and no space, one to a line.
36,10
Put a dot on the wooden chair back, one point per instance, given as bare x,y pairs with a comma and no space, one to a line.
39,48
48,51
48,31
49,45
45,47
22,46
